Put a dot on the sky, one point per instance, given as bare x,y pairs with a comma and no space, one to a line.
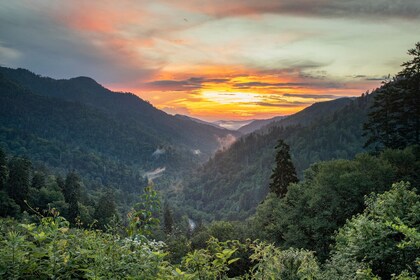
214,59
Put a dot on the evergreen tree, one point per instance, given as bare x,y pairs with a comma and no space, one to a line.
19,180
71,194
168,221
284,173
384,125
3,170
394,120
105,209
410,77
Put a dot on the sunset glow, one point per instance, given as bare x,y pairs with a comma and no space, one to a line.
213,59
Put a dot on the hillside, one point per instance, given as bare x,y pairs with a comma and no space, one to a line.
257,124
111,139
126,107
233,182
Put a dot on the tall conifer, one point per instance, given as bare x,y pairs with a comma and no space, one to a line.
284,173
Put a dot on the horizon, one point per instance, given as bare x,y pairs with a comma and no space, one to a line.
213,60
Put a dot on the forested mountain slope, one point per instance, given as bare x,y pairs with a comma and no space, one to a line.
233,182
257,124
126,107
110,139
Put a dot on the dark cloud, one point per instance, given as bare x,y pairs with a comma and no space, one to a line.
371,78
274,104
376,78
288,85
328,8
188,84
312,96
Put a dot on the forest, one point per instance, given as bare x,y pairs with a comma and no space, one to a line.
331,195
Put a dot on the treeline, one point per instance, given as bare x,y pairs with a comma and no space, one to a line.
25,191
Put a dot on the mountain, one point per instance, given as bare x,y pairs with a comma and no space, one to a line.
125,106
111,139
184,117
232,183
233,125
257,124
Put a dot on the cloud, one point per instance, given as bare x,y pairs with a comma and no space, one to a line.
226,141
284,105
187,84
312,96
158,152
289,85
153,174
325,8
196,152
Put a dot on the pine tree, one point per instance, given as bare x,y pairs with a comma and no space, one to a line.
284,173
410,77
394,120
19,180
71,194
384,124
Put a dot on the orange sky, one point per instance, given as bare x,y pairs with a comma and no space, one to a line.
214,59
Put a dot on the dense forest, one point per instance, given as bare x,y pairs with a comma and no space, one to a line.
232,183
332,197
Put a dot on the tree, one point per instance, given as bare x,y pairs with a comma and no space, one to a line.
38,180
410,76
384,240
394,120
143,216
105,209
19,180
284,173
383,127
3,170
168,221
71,194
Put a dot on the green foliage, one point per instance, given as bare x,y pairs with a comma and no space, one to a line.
212,262
52,250
71,192
3,170
284,173
394,120
143,218
385,238
105,210
168,221
19,180
331,193
8,207
292,264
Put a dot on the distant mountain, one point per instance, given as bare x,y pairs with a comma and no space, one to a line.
111,139
198,120
234,181
257,124
232,125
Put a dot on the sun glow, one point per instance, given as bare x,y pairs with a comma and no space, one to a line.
231,97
